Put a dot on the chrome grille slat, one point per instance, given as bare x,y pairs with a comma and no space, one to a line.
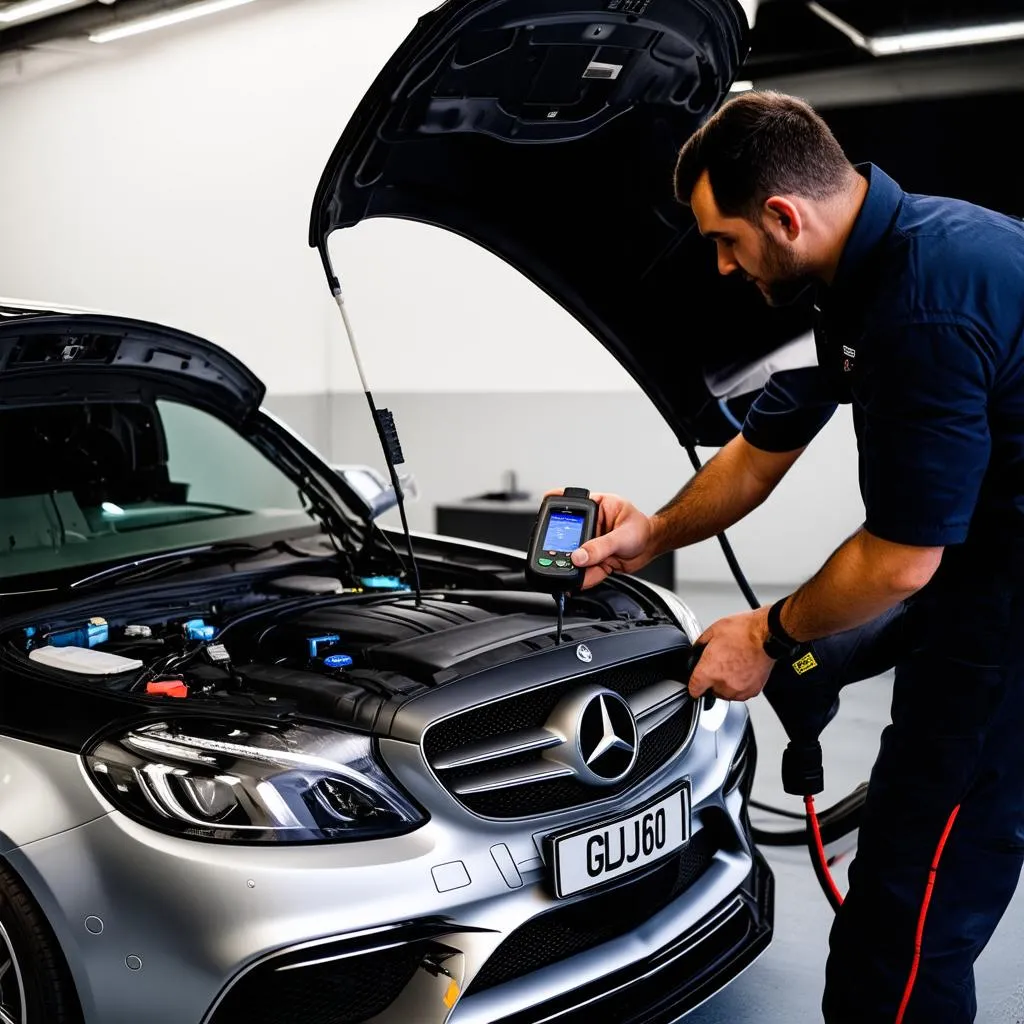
506,778
502,746
656,704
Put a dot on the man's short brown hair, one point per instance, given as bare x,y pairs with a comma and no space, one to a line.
760,144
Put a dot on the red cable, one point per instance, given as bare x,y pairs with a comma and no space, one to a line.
812,817
919,937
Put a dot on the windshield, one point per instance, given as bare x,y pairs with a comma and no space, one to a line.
108,482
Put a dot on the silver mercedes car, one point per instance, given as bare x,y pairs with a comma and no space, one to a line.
264,759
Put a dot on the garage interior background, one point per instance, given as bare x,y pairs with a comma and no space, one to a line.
169,176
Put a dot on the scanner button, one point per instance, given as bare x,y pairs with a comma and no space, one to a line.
544,561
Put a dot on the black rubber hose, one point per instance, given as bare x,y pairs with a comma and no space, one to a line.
730,556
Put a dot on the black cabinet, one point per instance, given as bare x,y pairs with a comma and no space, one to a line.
508,524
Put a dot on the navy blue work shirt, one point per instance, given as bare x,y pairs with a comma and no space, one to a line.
922,331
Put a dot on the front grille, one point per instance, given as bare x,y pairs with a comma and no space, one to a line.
521,718
345,991
576,927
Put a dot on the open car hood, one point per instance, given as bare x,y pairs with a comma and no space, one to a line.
52,354
548,133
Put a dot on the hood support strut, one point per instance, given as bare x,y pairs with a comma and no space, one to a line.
382,418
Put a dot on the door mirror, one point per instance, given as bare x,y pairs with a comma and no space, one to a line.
375,489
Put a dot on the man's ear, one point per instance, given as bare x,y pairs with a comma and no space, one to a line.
784,216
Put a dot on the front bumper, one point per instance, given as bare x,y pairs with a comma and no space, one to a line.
679,976
364,934
382,977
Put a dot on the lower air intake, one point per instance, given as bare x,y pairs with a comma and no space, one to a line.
346,991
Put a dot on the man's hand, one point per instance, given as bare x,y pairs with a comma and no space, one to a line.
622,537
734,665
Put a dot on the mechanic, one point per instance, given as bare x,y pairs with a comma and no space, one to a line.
919,326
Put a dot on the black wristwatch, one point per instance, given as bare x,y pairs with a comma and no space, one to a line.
779,643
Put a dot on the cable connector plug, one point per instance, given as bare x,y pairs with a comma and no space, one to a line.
802,771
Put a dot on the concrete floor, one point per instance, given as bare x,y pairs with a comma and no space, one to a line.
785,984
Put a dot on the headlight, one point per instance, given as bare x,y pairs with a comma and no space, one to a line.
252,784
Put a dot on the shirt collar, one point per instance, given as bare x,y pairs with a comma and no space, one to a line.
873,224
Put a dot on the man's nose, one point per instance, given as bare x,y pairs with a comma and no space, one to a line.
726,264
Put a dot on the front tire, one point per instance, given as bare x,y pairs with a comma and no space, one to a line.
35,983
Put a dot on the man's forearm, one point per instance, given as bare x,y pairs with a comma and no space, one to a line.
863,578
721,493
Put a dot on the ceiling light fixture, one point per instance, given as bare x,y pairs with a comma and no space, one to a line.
33,8
940,38
140,25
933,39
741,86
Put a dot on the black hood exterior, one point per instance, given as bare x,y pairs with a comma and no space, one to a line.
547,133
53,355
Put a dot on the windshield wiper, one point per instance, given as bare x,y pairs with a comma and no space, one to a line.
168,561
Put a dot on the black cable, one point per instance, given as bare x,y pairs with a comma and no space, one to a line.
401,561
836,822
780,811
787,838
730,557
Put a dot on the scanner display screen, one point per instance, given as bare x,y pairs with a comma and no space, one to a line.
563,533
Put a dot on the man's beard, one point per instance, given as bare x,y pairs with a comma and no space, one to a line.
786,274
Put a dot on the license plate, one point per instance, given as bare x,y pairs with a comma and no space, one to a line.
595,854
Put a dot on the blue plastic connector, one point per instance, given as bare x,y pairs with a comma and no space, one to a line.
384,583
314,642
197,629
88,635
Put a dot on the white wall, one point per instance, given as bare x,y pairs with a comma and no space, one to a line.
170,177
173,179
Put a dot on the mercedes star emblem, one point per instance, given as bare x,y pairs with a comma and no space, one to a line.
583,653
596,735
607,738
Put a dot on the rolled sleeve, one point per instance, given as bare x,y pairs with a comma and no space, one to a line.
793,407
926,440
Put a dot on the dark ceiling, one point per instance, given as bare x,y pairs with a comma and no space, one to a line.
790,38
796,49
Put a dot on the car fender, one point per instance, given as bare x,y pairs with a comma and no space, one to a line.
43,791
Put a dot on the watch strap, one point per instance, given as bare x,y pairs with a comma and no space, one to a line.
779,644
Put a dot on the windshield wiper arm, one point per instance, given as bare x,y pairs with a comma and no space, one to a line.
140,568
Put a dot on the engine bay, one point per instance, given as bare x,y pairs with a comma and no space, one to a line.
309,644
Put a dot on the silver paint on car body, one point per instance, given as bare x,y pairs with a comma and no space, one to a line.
173,897
43,791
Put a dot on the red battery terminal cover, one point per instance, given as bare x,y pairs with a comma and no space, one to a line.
167,688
